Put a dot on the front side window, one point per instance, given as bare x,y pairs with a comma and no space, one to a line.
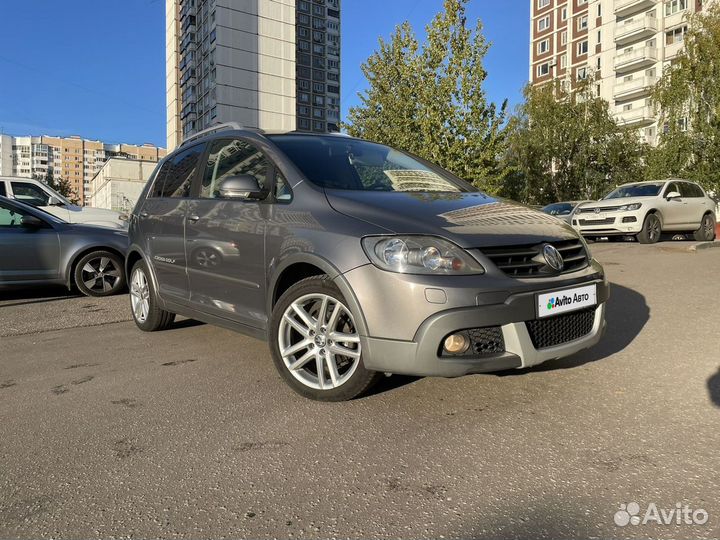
30,194
231,158
343,163
10,217
3,193
175,178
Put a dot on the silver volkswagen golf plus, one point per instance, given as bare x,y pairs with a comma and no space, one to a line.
354,259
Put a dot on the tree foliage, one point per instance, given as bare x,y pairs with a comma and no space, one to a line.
566,145
61,185
688,98
429,100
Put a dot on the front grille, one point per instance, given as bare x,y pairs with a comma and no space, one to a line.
594,209
528,260
606,221
561,328
487,341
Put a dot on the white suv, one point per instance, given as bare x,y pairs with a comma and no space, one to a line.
40,195
648,209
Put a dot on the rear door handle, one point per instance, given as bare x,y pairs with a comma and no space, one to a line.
193,218
144,214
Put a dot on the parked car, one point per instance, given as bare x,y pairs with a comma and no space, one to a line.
357,259
648,209
39,248
40,195
563,210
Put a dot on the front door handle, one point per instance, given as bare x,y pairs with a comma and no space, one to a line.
193,218
144,214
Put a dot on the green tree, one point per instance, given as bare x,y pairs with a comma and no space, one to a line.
429,100
62,186
564,145
688,98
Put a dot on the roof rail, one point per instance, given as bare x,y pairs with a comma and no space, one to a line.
212,129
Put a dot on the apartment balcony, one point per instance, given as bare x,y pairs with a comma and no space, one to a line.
672,50
636,59
634,88
639,117
635,29
628,7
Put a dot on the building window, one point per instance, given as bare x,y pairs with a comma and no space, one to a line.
582,48
543,69
563,38
582,2
582,23
582,73
304,6
599,35
543,24
563,61
675,36
563,14
543,46
319,88
599,10
675,6
542,3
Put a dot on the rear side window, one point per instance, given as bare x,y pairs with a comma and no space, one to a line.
176,175
230,158
692,190
3,192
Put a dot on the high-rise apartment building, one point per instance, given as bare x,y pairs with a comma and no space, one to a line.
623,44
268,64
71,158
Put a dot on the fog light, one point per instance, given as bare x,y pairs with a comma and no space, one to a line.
456,343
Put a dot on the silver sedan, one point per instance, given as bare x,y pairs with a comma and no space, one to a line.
38,248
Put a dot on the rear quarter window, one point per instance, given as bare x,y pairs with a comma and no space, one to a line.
175,178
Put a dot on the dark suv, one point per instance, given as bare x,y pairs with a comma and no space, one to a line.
356,259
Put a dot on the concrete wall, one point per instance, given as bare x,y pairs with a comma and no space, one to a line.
119,183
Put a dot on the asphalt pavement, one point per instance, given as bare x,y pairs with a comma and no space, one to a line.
109,432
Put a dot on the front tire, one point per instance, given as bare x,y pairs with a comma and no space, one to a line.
706,232
315,343
651,230
146,312
100,273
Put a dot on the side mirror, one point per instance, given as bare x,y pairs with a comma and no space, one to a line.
54,201
241,186
31,222
672,195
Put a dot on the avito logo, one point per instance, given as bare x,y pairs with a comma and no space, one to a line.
567,300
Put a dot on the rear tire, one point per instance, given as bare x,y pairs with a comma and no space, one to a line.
651,230
706,232
100,273
313,332
146,312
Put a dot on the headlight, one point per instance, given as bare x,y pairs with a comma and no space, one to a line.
630,207
419,255
587,248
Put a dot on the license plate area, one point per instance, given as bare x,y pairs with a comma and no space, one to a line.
560,301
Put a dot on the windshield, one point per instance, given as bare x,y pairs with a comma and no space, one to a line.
635,190
559,209
343,163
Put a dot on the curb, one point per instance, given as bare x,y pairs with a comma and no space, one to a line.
705,245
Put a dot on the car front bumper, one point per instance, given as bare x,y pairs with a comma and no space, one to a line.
610,224
390,346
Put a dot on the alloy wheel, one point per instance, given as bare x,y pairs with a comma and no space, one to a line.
101,274
653,228
708,227
140,295
319,342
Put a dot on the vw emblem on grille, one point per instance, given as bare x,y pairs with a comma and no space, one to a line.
597,210
552,257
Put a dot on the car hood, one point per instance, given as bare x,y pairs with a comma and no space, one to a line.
471,220
97,216
611,203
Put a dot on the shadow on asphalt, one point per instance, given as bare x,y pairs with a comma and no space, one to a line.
713,384
626,314
36,294
184,323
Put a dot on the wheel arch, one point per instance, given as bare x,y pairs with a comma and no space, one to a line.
304,265
85,250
